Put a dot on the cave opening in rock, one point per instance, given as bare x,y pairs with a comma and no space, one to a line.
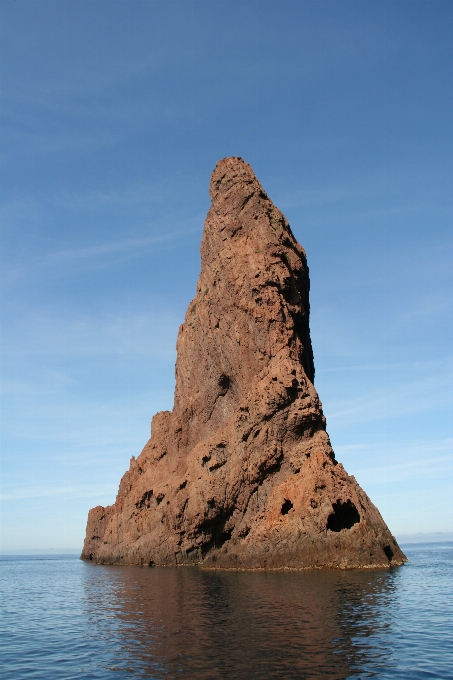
388,552
217,528
344,516
286,507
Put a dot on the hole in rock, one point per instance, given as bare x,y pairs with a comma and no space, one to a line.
292,391
224,383
286,507
216,527
388,552
144,500
344,516
151,563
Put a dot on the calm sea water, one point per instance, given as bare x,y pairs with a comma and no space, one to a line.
63,618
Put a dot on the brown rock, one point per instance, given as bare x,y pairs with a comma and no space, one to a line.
241,473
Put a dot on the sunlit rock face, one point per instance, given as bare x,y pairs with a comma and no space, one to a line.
241,474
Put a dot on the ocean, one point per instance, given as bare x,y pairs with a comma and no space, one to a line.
65,619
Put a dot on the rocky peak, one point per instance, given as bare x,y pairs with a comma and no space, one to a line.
251,304
241,474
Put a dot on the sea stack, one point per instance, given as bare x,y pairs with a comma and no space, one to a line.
241,474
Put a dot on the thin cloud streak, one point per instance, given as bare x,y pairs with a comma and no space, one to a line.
421,469
414,461
75,491
25,207
416,365
112,247
125,247
409,398
411,448
53,335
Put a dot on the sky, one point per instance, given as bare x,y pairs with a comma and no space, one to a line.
114,114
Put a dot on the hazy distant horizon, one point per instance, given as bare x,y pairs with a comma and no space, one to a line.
405,539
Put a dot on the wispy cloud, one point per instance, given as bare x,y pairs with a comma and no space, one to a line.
417,460
100,198
121,333
147,212
309,197
384,366
112,247
402,398
378,193
69,492
96,254
409,471
22,207
59,141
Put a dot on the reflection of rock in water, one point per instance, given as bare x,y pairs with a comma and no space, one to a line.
241,625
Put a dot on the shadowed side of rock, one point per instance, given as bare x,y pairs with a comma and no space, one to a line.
241,473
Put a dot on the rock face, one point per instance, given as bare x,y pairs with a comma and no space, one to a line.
241,473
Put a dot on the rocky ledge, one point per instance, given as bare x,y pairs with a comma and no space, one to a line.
241,474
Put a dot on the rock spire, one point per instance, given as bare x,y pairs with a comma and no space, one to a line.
241,474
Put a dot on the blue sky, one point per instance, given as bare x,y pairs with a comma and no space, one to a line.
113,117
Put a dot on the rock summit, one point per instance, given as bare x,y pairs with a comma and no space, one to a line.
241,474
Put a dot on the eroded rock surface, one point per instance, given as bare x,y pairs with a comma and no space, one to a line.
241,473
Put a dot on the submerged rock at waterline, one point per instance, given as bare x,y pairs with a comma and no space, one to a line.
241,474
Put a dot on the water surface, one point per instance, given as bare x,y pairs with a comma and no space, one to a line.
67,619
